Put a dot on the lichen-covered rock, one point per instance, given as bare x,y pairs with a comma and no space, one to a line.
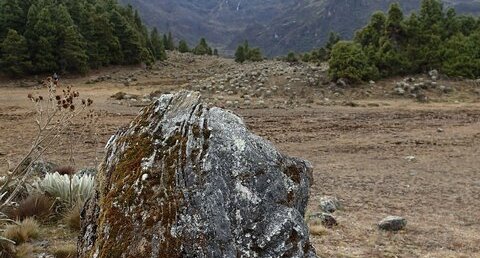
184,180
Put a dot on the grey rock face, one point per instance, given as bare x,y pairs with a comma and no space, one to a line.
392,223
184,180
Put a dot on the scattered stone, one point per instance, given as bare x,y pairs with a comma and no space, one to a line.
440,130
119,95
212,189
421,97
410,158
433,74
87,171
392,223
327,219
399,91
342,83
445,89
42,167
329,204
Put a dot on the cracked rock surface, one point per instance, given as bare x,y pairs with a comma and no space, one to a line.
185,180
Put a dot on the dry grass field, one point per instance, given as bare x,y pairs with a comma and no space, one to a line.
359,153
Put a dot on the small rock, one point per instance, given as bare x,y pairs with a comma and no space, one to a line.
392,223
399,91
327,219
342,83
440,130
445,89
329,204
433,74
87,171
42,167
410,158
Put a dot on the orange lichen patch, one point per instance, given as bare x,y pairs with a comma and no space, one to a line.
123,221
115,227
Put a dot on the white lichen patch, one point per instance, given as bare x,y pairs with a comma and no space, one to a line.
147,163
240,144
246,193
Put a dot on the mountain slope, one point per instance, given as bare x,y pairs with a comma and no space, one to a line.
277,26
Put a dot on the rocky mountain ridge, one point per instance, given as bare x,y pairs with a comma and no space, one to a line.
277,26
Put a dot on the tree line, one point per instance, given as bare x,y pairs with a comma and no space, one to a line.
392,44
42,36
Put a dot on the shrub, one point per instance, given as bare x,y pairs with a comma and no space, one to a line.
68,190
255,55
24,251
22,231
291,58
35,205
72,217
6,245
65,170
350,62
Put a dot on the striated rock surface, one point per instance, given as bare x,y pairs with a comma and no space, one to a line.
184,180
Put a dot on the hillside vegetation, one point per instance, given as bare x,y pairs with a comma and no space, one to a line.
392,44
42,36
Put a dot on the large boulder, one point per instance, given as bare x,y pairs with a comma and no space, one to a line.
185,180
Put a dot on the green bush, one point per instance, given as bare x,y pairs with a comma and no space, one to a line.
350,62
291,58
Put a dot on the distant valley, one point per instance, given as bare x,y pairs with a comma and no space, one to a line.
276,26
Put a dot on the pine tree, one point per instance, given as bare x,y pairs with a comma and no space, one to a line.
12,17
240,54
332,40
246,50
394,27
72,52
74,35
129,39
183,46
44,60
157,47
168,42
202,48
14,52
70,45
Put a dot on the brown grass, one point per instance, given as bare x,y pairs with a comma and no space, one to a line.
37,206
7,249
318,230
24,251
65,251
72,217
22,231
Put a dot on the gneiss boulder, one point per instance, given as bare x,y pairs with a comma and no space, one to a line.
185,180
